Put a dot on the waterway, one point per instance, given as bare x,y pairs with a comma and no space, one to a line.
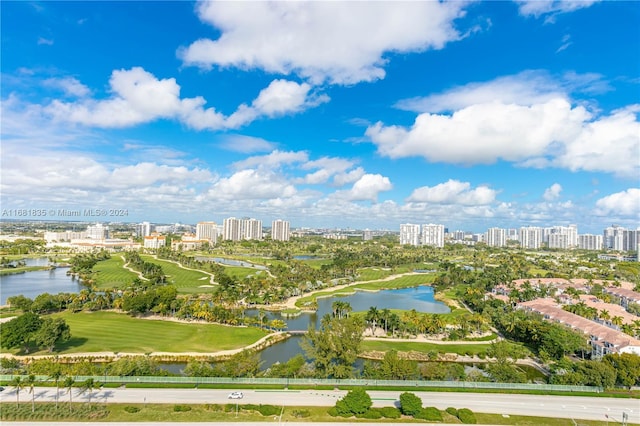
31,284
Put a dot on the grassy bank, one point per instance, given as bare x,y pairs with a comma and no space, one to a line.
111,273
113,332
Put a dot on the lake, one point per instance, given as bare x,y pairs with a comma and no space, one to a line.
31,284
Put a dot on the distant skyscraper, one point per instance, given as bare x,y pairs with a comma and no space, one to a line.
97,232
251,229
280,230
207,231
590,242
410,234
143,229
530,237
367,235
496,237
232,229
433,235
613,238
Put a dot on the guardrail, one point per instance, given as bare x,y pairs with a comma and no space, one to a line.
369,383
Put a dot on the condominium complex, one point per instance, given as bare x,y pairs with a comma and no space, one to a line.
280,230
496,237
207,231
241,229
530,237
415,235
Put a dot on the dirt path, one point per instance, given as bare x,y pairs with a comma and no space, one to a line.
180,265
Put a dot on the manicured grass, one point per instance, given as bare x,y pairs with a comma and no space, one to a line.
111,273
184,279
385,346
113,332
401,282
240,273
111,412
22,270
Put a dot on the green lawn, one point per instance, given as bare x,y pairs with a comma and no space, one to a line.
111,273
113,332
384,346
401,282
185,280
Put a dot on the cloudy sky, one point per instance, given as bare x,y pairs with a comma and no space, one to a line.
327,114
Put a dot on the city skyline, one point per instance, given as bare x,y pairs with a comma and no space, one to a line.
329,114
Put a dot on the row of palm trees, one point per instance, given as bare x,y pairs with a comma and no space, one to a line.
29,383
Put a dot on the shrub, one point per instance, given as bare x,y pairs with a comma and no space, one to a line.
357,401
370,414
452,411
180,408
390,412
228,408
410,404
268,410
333,412
300,414
466,416
430,414
131,409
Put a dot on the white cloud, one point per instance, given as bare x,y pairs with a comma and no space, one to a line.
609,144
45,41
453,192
279,98
366,188
539,8
482,133
273,160
137,96
326,167
528,119
69,85
339,42
625,203
245,144
553,192
252,184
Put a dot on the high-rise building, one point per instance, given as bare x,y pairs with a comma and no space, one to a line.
207,231
367,235
241,229
496,237
232,229
251,229
530,237
561,237
590,242
97,232
143,229
410,234
280,230
433,235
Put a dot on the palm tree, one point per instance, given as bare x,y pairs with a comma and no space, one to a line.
68,384
604,315
18,385
31,384
55,375
372,317
617,321
88,386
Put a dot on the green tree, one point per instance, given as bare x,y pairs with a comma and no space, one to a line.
394,368
627,368
334,347
19,331
410,404
55,374
356,401
51,332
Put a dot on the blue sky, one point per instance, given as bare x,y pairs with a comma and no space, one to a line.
327,114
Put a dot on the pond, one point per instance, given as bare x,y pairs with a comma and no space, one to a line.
31,284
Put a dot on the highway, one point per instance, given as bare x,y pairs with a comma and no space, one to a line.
586,408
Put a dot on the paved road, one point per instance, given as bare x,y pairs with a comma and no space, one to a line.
587,408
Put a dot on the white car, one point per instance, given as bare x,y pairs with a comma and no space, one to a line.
235,395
